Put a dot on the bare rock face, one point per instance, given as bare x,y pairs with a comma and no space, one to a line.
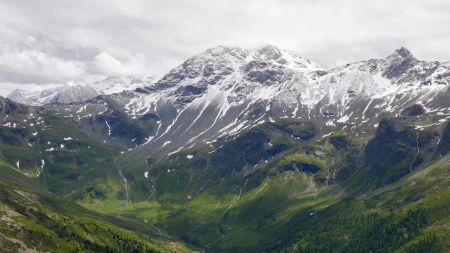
399,63
444,141
413,110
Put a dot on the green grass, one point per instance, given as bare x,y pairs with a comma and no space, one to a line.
35,220
289,211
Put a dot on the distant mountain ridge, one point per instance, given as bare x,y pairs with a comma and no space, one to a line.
225,90
75,92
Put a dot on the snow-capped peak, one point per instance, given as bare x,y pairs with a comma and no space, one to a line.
117,84
67,93
267,53
75,92
285,58
401,53
220,51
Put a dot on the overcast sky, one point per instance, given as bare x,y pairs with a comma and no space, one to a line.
44,42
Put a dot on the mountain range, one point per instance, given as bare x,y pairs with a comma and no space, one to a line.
243,150
73,92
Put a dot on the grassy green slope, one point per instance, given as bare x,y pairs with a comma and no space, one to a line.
33,220
305,198
234,206
53,152
411,216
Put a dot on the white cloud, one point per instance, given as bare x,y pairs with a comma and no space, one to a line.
53,41
26,65
106,64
